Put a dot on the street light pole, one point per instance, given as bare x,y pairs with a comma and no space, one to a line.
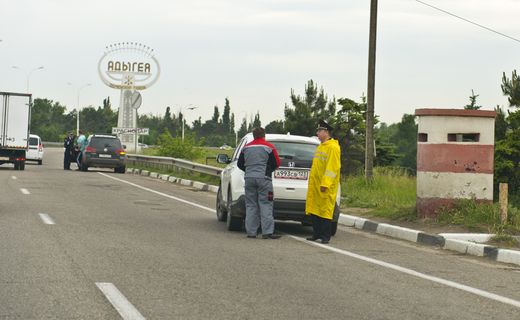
77,112
189,108
27,75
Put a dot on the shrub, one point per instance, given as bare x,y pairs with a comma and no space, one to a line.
176,148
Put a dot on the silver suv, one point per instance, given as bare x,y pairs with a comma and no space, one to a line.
290,182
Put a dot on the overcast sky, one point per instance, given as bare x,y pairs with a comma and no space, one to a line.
255,51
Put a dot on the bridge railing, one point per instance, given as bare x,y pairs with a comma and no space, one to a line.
171,163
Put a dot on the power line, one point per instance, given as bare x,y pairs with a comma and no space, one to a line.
469,21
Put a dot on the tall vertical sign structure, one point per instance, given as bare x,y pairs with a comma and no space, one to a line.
129,67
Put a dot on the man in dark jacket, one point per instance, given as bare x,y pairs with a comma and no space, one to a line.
68,144
259,159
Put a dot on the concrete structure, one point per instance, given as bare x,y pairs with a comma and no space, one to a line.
454,157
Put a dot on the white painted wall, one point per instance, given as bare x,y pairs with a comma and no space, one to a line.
438,127
447,185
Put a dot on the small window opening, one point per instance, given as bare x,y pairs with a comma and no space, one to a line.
463,137
423,137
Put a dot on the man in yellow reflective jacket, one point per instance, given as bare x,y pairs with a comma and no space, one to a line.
323,184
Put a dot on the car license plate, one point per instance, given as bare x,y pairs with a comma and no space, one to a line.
4,158
291,174
105,156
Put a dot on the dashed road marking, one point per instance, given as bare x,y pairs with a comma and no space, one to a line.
24,191
118,300
46,218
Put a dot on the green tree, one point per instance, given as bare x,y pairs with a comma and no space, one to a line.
275,126
48,120
472,102
302,117
511,88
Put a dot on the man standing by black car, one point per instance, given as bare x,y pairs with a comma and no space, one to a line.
69,149
259,159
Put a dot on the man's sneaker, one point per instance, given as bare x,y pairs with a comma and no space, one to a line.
271,236
322,241
313,238
251,236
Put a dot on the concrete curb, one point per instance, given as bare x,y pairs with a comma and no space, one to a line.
189,183
453,242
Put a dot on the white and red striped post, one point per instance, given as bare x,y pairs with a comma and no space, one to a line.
454,157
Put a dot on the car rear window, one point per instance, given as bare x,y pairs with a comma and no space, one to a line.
33,141
294,154
97,142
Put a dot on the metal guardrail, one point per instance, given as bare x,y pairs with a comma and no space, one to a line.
170,163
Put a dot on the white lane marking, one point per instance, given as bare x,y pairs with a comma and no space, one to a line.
24,191
46,218
160,193
118,300
14,177
411,272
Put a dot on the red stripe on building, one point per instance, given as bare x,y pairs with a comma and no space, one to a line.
456,158
455,113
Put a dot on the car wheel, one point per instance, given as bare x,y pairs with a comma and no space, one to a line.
40,162
22,165
122,169
221,210
333,228
233,223
16,165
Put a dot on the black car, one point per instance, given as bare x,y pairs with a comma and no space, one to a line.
104,151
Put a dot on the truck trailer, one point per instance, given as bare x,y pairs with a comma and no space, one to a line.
15,119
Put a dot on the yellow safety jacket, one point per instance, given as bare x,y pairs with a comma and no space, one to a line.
325,172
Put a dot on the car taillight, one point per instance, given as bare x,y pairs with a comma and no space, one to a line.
89,149
40,146
121,152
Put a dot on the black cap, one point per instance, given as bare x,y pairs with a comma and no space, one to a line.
324,125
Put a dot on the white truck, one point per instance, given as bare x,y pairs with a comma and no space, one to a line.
15,119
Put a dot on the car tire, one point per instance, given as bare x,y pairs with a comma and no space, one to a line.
122,169
220,209
333,228
16,165
40,162
22,165
233,223
84,167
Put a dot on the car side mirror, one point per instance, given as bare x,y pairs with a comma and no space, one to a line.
223,158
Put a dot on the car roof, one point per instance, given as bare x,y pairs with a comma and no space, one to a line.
286,137
103,136
34,136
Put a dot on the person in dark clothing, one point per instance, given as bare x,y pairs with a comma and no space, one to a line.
259,159
68,144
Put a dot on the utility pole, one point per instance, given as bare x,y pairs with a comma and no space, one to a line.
369,147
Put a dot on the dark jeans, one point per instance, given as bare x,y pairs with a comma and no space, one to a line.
321,227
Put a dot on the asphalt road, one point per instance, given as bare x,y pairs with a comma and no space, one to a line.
126,247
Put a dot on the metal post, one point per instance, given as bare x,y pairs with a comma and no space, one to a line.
369,146
503,193
77,115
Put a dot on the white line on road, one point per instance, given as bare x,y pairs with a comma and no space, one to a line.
159,193
13,177
46,219
120,303
24,191
411,272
